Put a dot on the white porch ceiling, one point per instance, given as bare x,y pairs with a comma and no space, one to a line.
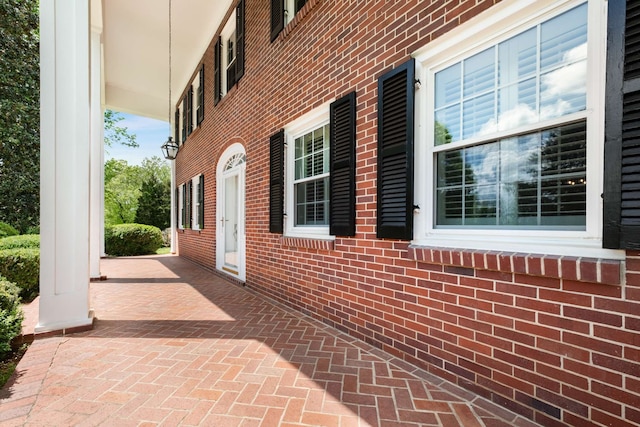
136,49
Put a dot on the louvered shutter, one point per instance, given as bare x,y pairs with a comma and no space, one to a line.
342,165
178,207
184,206
184,119
395,152
201,202
239,41
176,126
300,4
276,183
190,110
200,113
622,127
277,18
189,198
217,71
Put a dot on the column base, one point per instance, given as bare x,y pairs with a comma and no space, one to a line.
83,325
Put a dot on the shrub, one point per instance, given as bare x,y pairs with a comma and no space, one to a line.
33,229
7,230
21,241
22,267
11,315
132,239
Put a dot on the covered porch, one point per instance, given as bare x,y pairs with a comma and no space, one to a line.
221,355
121,55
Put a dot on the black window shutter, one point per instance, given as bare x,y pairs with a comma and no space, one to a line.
217,71
184,206
277,18
342,161
190,110
395,152
239,41
184,119
176,126
201,202
189,206
200,113
178,207
621,228
300,4
276,183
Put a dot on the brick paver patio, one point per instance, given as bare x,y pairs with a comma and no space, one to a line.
174,344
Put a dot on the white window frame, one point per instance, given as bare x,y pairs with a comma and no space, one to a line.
499,23
195,84
180,124
301,126
180,207
195,203
289,11
228,31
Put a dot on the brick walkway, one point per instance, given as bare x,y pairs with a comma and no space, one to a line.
176,345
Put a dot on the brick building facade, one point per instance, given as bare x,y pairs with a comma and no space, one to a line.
315,167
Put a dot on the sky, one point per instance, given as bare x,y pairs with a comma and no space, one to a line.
150,135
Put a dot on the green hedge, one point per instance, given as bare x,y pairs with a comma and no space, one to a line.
11,315
22,266
132,239
7,230
21,241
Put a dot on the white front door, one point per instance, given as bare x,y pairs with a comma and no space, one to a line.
231,241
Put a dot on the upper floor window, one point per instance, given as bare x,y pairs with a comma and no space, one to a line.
187,114
283,12
229,54
510,128
198,82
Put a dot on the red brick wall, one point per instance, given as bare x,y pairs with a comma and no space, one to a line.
537,334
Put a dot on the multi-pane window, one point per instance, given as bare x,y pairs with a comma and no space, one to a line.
291,7
509,130
229,54
196,203
283,12
231,51
311,180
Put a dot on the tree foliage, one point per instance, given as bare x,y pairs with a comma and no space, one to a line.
115,134
139,194
19,113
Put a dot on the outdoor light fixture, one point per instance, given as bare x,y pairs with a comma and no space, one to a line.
171,147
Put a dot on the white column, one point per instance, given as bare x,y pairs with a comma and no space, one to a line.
65,164
97,146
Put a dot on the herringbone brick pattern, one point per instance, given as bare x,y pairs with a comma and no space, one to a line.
176,345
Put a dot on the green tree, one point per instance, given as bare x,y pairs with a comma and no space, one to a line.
138,194
154,204
19,113
114,134
121,191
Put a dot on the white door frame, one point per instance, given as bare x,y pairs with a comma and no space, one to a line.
231,162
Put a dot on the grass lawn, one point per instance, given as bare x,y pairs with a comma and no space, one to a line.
163,251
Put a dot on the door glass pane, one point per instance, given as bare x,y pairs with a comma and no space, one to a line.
231,221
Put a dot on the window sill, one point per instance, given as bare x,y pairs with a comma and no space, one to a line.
303,242
581,269
189,230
